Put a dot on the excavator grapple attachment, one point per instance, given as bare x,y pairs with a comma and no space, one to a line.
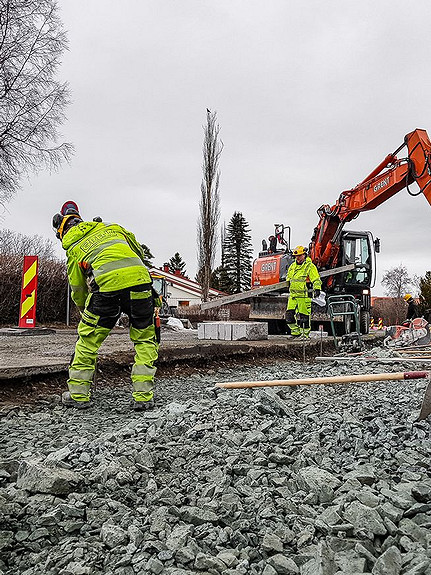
419,147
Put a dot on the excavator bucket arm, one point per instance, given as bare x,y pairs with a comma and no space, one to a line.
377,187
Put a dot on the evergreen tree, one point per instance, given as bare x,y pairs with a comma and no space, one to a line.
148,256
238,253
176,263
220,280
425,295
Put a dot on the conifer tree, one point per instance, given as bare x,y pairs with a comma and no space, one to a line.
220,280
425,293
176,263
148,256
238,252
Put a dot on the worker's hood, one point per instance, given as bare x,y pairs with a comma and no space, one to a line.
77,232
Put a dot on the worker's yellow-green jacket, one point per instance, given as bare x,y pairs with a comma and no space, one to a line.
102,257
299,275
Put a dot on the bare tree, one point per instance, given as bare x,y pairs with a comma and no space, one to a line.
397,281
16,244
32,102
209,202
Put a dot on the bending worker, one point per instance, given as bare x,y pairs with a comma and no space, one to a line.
412,310
107,277
302,279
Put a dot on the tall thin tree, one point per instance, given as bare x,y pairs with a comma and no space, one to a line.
209,202
32,101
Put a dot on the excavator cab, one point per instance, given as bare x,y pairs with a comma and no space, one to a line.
358,248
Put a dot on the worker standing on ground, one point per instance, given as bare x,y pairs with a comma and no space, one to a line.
302,280
107,277
412,310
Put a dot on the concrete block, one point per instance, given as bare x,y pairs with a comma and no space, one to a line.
318,334
210,331
233,331
201,331
249,330
225,331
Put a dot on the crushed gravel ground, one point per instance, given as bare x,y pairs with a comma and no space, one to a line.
317,480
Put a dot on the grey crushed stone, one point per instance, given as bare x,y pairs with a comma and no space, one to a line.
316,481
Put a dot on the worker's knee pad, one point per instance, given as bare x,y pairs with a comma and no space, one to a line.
303,320
102,309
290,316
141,309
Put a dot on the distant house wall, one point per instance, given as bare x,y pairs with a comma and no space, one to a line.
182,290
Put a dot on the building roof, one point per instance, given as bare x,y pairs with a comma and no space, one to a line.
186,284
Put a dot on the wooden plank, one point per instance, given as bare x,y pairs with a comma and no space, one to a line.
363,377
266,289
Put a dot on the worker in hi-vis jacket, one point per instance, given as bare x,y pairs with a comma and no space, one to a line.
107,276
303,282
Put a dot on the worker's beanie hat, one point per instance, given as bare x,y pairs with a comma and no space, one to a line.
69,208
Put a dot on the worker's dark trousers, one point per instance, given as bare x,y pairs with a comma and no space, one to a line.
102,311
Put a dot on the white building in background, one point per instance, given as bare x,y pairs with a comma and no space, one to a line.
180,291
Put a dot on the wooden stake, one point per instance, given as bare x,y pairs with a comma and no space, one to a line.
326,380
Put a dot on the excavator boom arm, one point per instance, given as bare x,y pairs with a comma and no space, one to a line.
377,187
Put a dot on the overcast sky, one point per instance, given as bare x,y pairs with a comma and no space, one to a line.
310,97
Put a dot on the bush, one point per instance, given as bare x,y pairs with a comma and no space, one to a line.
393,311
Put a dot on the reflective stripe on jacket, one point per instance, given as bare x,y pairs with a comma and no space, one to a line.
299,275
105,255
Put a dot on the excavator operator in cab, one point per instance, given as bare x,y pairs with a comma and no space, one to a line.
303,282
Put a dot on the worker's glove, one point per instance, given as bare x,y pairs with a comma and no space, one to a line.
316,293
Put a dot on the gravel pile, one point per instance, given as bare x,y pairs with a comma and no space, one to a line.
311,481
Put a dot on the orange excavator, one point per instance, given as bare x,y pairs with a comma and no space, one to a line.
332,247
345,259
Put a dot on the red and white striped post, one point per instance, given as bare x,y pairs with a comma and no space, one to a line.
27,308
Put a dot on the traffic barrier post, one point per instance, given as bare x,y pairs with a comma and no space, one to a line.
27,308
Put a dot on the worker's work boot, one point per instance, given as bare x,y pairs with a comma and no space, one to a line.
67,401
143,405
